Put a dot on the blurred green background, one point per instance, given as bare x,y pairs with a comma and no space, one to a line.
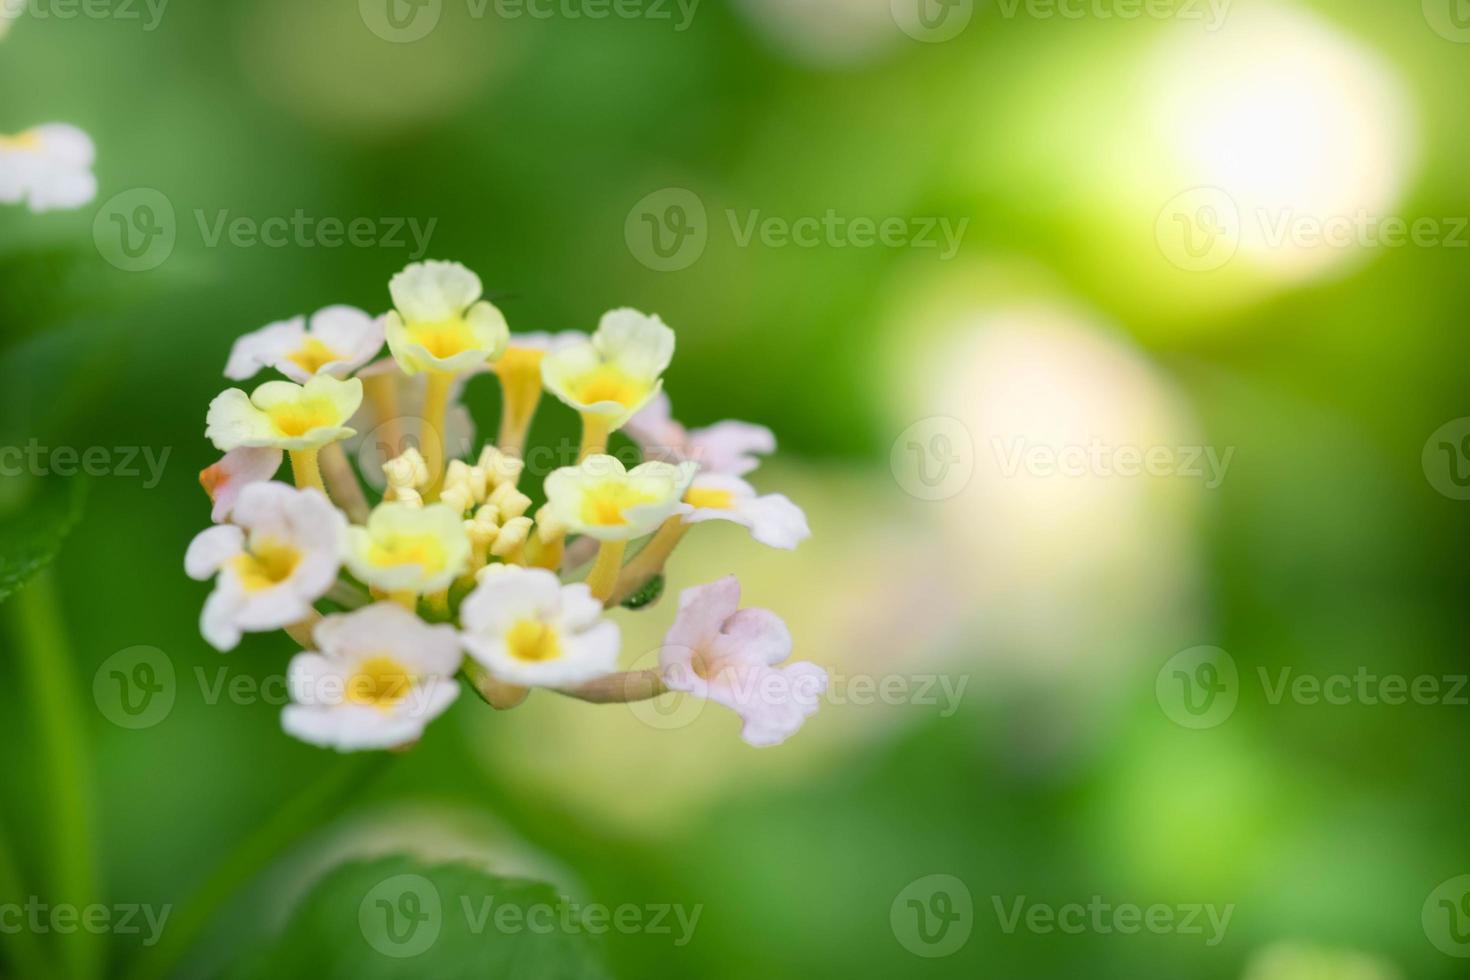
1070,314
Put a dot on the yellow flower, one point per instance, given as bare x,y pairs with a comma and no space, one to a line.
614,374
602,500
440,323
284,415
404,548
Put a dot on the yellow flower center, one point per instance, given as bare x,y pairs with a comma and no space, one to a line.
445,338
312,354
606,383
533,641
424,550
707,498
604,504
28,141
379,682
300,417
268,563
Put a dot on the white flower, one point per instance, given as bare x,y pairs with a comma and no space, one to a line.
597,497
528,629
422,549
284,415
338,341
47,167
772,519
234,472
379,675
615,373
717,651
440,323
280,555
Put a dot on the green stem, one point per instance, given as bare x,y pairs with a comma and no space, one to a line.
27,957
319,802
66,761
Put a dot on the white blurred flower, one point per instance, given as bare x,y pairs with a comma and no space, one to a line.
528,629
48,167
379,675
337,341
279,556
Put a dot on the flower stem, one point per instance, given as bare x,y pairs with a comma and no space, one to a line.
342,482
604,574
595,432
436,409
634,685
493,691
317,803
520,393
650,561
26,955
63,749
307,471
382,391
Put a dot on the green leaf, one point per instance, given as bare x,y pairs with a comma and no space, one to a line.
397,917
33,528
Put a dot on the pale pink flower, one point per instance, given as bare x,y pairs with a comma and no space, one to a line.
236,470
718,651
728,448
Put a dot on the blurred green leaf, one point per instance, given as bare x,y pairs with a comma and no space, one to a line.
397,917
32,532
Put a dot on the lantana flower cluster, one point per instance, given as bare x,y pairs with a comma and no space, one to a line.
423,570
